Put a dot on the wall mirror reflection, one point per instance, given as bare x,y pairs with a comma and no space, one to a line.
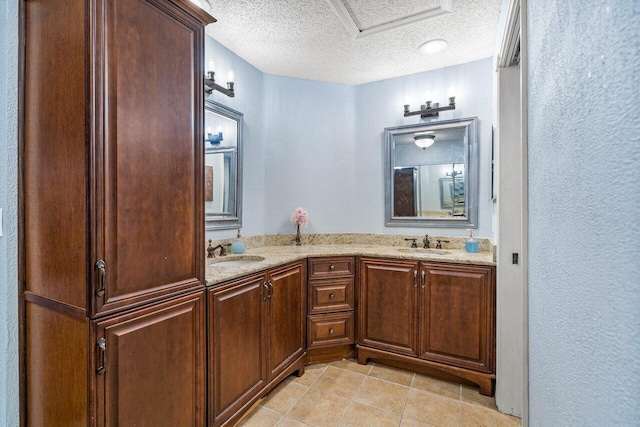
431,176
222,167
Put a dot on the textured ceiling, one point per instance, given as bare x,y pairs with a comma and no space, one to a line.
308,38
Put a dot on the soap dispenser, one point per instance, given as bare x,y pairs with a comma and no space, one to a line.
471,244
237,246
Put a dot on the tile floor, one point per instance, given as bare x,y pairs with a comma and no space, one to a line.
344,393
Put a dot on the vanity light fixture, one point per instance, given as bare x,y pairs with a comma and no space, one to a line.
210,82
430,109
214,139
424,140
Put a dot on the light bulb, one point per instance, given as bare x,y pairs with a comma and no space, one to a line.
428,96
211,67
407,100
452,91
208,130
219,129
230,76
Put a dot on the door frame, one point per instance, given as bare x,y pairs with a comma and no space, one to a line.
512,216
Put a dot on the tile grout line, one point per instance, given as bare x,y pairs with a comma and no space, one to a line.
352,397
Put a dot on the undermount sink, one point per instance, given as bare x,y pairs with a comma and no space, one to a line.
424,251
233,261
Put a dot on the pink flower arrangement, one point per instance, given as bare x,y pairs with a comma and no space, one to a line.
299,217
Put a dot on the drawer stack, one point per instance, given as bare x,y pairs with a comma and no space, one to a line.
330,319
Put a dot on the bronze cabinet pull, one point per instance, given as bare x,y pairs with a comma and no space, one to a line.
102,345
100,266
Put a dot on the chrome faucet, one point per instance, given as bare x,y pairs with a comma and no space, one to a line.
425,241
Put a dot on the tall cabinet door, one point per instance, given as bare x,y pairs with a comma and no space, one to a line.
387,305
287,299
457,316
150,365
147,153
237,368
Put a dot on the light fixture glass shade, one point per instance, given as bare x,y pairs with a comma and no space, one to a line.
433,46
424,140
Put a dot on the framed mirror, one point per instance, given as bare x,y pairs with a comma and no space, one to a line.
222,167
431,174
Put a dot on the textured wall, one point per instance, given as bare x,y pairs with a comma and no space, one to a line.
249,95
310,160
584,199
379,105
9,406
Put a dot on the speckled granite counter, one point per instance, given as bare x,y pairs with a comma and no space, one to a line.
274,256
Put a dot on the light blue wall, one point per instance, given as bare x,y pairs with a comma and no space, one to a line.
584,200
321,145
9,394
379,105
310,159
249,96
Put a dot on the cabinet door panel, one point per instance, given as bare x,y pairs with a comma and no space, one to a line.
237,368
457,316
154,371
387,305
149,172
287,314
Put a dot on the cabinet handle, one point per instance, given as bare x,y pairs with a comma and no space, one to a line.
330,330
100,266
331,296
332,267
270,294
423,281
265,291
102,345
415,278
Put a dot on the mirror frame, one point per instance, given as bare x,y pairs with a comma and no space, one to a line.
470,220
225,222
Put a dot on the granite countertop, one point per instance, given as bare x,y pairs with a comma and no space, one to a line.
274,256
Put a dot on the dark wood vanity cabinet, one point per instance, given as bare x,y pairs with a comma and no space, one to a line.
433,318
112,210
256,338
331,314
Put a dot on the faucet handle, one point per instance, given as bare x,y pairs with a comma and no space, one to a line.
413,242
439,244
223,249
211,250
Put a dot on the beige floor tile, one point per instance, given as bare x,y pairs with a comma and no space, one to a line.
311,373
383,395
437,386
472,395
261,417
340,382
319,409
392,374
290,422
283,397
358,415
352,365
432,409
478,416
408,422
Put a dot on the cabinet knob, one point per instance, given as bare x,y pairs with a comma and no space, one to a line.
331,296
331,330
332,267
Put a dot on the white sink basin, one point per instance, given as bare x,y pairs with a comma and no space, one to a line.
424,251
233,261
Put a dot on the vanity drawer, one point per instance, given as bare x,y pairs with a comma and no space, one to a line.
329,295
331,267
330,329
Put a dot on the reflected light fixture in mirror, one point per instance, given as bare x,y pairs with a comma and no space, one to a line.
424,140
